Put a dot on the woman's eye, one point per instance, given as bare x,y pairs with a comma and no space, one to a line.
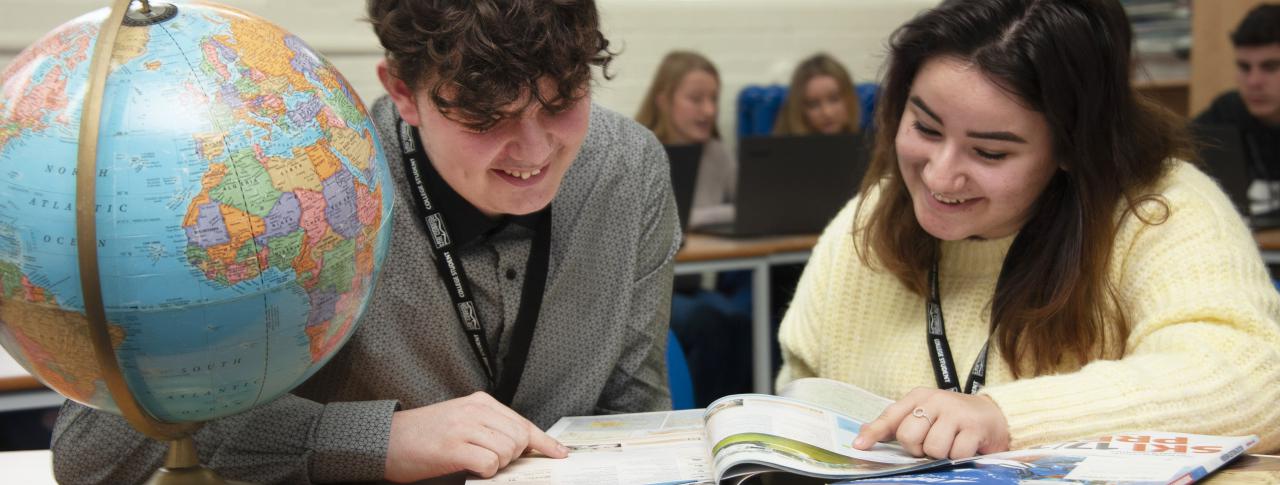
990,155
926,131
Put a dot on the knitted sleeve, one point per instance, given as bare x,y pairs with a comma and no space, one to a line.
801,332
1203,353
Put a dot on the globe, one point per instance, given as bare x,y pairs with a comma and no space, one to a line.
242,211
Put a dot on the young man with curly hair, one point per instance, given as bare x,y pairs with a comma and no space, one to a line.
528,277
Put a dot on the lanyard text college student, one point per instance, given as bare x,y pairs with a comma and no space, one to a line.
451,271
944,367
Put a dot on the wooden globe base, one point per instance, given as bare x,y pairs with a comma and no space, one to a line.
182,467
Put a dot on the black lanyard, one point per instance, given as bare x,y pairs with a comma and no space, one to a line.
450,268
944,368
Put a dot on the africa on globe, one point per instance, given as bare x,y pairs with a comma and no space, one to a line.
242,210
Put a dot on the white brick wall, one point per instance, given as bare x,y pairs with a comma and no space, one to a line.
751,41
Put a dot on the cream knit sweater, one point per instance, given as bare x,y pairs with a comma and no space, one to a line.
1203,355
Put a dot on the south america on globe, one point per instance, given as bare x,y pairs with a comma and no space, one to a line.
243,210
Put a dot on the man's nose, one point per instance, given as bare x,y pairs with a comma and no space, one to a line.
532,141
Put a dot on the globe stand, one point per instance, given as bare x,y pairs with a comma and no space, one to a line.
182,467
182,464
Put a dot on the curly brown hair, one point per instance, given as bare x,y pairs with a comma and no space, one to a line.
486,54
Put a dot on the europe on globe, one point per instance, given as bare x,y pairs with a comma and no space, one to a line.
242,211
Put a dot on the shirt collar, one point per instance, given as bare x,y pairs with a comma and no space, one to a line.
465,222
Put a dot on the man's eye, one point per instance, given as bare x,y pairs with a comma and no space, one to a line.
554,111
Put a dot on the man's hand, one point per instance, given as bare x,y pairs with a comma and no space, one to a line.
940,424
476,434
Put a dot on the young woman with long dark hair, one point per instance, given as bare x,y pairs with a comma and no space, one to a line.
1030,236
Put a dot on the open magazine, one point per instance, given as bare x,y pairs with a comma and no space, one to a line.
808,431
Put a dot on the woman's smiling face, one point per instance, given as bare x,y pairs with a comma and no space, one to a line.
974,159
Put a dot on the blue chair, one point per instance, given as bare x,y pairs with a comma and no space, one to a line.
678,374
748,98
766,111
758,108
867,93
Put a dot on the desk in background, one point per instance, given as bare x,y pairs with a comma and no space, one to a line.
1269,243
702,253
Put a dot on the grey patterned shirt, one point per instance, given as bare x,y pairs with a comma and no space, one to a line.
599,345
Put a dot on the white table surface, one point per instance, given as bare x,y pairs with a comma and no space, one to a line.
27,467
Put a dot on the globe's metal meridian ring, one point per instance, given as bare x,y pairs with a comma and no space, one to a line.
86,231
182,466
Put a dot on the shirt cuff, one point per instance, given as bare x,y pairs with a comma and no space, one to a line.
350,441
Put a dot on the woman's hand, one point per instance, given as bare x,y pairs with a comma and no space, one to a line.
940,424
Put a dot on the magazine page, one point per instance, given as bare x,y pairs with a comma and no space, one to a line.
847,399
580,432
1143,458
790,435
625,449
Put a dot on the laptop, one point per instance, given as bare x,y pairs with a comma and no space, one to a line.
1222,151
794,184
685,160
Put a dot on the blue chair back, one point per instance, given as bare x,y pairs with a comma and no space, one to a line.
758,108
678,374
867,93
748,98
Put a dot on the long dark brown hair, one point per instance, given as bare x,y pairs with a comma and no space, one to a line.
1070,61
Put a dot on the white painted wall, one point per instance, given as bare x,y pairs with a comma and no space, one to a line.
751,41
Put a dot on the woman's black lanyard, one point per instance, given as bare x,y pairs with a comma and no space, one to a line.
943,365
450,268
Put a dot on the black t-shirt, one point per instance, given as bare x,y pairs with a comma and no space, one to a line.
1261,141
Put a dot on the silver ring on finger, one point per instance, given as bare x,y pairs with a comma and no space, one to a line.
920,413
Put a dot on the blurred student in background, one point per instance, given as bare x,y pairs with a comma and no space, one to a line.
820,100
1022,189
681,108
713,327
1254,108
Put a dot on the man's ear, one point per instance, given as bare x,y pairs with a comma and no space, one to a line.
401,94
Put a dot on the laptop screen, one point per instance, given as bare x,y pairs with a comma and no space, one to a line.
685,160
795,184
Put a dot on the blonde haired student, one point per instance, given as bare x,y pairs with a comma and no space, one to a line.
820,100
1030,259
681,107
